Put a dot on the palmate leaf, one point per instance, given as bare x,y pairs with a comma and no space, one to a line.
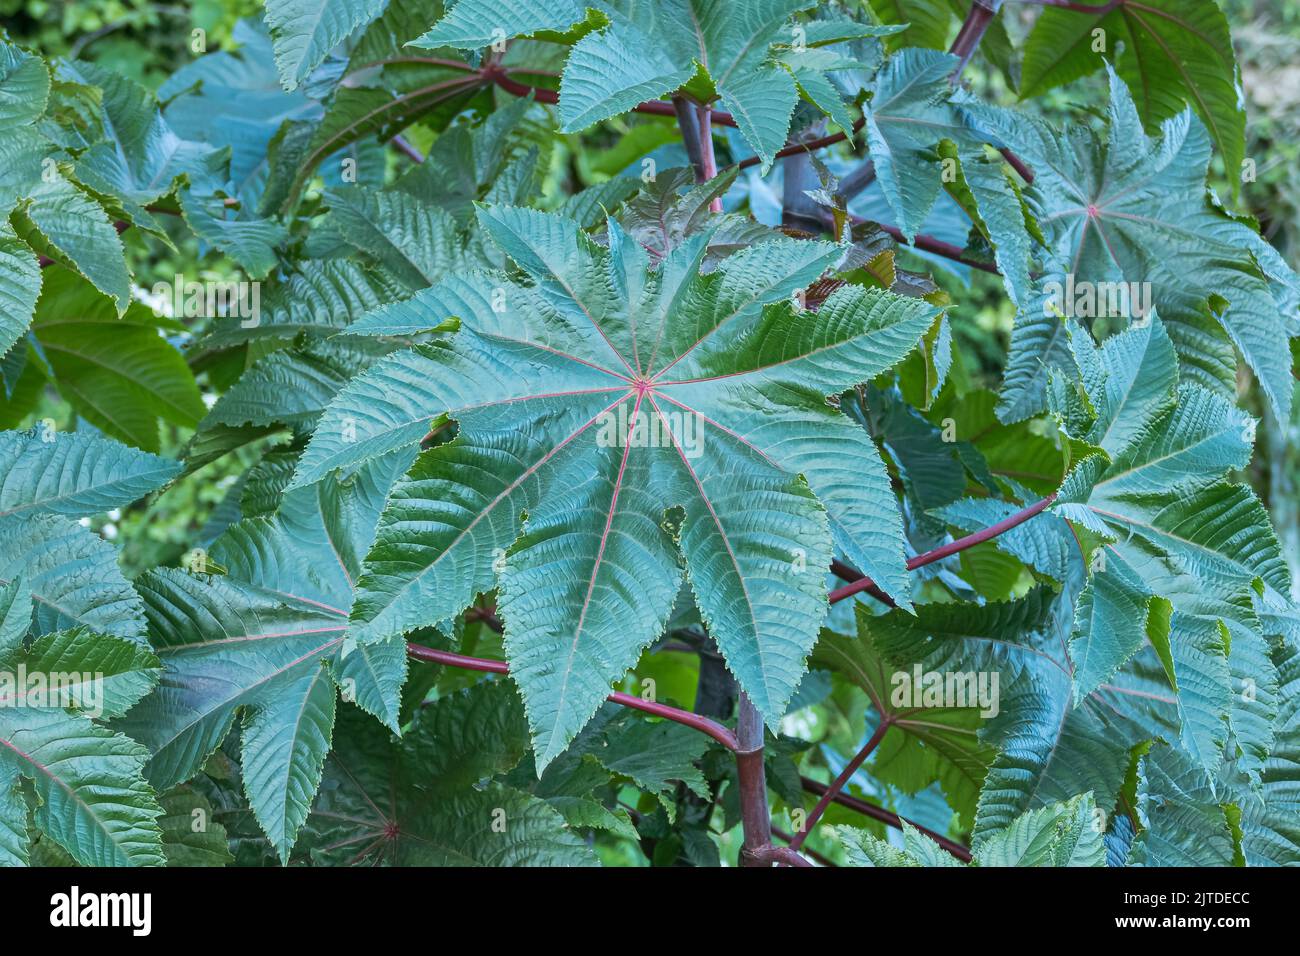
267,639
596,399
90,796
1134,209
1174,531
1163,485
649,51
416,803
1175,52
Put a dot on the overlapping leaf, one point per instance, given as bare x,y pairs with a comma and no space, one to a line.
85,658
416,803
267,639
735,51
1134,210
924,743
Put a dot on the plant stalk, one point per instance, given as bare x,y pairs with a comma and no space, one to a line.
755,819
953,547
841,782
972,31
688,124
886,817
705,726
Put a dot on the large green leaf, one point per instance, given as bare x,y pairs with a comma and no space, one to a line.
1173,529
600,350
924,743
1050,748
117,372
74,473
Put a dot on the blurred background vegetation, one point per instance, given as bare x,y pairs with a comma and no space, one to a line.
148,41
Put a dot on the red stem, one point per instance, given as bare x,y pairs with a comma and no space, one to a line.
978,537
1018,165
886,817
709,162
719,733
841,782
784,855
403,146
977,20
804,147
1077,7
968,39
755,819
961,544
851,574
810,854
501,78
937,246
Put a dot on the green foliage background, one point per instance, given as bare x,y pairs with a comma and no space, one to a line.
620,806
